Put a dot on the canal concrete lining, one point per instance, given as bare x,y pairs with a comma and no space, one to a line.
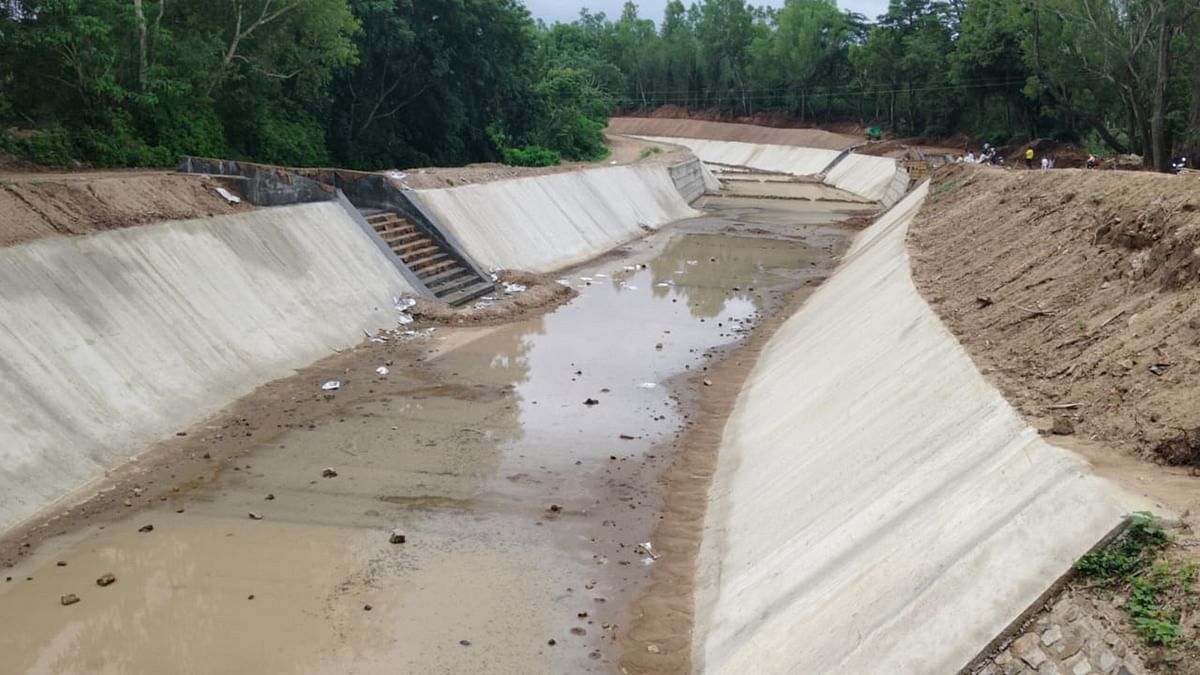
112,341
544,223
878,505
787,159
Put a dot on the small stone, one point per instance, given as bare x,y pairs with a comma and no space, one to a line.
1052,635
329,473
555,508
465,643
106,580
367,608
590,585
578,631
1111,638
146,528
250,597
659,346
1004,658
1078,665
551,642
397,537
1107,661
583,614
653,648
708,383
591,402
69,599
1062,426
1049,668
128,502
254,515
61,563
1026,648
270,497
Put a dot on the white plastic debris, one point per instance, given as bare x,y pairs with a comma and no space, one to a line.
649,549
693,262
404,319
397,175
229,196
495,278
628,287
382,371
404,304
647,385
600,276
585,278
511,288
332,385
665,284
630,268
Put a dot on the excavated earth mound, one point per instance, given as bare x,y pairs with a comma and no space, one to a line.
33,206
724,131
1078,292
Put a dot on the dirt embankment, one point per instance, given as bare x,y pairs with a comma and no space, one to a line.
722,131
33,206
1078,292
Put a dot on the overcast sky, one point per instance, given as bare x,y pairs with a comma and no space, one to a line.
568,10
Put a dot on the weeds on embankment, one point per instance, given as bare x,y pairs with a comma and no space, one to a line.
1156,589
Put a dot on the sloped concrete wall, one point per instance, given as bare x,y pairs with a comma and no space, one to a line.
692,179
786,159
111,342
544,223
870,177
878,506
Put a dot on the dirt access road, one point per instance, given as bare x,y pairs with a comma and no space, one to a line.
525,509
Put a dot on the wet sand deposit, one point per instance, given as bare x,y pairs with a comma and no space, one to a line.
520,464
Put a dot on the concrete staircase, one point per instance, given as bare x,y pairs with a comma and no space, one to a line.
434,264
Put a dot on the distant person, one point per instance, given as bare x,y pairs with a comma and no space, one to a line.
1045,164
970,157
1092,162
1029,159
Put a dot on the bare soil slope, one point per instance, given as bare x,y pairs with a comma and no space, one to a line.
1078,292
723,131
47,204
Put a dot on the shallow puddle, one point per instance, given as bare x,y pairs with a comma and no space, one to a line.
524,486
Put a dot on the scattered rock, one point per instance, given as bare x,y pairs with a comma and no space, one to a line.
397,537
255,515
1052,635
146,528
465,643
250,597
367,608
582,615
708,383
1026,648
106,580
555,508
329,473
659,346
69,599
591,401
1062,426
551,642
578,631
626,437
270,497
61,563
653,648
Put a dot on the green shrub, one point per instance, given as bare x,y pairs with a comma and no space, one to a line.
532,155
48,147
1133,552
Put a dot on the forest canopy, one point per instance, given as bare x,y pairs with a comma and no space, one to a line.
396,83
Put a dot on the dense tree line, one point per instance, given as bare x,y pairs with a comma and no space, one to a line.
1118,75
381,83
363,83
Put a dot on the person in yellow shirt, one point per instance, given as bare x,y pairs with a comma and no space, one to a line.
1029,158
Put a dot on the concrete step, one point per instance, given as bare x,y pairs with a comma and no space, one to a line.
469,293
423,261
427,269
454,284
448,275
416,249
381,216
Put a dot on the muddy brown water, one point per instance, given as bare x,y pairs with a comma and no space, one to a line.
524,509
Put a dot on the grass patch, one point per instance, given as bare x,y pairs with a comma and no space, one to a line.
946,189
1161,589
646,153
